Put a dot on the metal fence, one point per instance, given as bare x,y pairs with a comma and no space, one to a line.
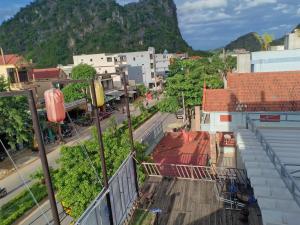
153,137
281,168
122,194
206,173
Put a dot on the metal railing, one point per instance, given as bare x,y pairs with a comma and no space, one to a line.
207,173
281,168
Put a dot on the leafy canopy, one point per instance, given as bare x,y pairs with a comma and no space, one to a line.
77,91
77,181
186,78
15,123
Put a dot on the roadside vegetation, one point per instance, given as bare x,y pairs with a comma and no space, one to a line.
186,80
19,205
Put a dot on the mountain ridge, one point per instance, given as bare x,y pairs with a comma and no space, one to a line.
51,31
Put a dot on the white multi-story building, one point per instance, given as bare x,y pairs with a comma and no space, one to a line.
144,67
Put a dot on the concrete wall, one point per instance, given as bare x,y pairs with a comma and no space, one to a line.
103,63
162,62
292,40
268,61
243,63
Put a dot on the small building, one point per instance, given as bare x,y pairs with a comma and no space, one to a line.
16,70
256,94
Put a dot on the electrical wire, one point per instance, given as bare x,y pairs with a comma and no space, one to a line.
25,184
83,148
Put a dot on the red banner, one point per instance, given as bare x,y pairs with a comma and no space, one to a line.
269,118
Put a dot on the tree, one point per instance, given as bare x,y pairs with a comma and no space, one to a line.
77,91
79,179
142,90
15,123
266,41
186,79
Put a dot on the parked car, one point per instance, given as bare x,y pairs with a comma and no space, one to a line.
2,156
179,114
3,192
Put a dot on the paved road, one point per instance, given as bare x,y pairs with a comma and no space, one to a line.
13,182
35,217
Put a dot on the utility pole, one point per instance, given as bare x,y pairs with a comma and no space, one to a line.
183,105
133,151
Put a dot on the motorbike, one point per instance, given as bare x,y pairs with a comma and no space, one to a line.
3,192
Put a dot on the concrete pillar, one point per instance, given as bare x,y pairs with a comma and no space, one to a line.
197,126
213,149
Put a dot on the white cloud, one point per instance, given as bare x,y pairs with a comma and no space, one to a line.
246,4
202,4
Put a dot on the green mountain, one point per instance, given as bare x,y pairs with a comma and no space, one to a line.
50,31
250,42
280,41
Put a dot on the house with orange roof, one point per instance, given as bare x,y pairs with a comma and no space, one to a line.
16,70
255,94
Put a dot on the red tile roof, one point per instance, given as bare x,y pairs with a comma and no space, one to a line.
175,148
48,73
10,59
272,91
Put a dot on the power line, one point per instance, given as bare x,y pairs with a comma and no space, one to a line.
24,182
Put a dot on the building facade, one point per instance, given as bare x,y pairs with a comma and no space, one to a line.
254,94
16,70
143,67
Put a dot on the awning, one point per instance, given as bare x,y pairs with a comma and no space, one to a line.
72,105
113,94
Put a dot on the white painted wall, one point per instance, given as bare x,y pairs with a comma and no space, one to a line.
162,63
244,63
239,121
103,63
269,61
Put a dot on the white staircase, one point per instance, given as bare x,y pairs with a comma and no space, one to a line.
276,202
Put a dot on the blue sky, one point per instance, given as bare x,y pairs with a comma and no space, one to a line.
208,24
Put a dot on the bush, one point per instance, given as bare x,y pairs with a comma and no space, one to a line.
18,206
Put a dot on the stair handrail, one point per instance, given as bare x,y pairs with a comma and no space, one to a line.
279,166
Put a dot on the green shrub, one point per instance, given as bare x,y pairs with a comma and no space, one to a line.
19,205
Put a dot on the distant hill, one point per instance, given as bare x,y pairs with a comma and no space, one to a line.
50,32
250,42
280,41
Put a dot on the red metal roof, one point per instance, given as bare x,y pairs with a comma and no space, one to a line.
10,59
48,73
189,148
271,91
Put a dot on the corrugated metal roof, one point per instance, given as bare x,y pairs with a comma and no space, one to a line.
276,202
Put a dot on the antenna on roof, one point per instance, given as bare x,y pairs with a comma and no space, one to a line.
2,54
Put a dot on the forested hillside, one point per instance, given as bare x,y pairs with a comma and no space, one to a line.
51,31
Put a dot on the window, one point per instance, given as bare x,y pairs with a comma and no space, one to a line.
151,56
151,65
109,59
133,58
91,60
152,74
225,118
11,75
105,71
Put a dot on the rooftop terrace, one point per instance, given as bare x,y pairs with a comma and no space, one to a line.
193,202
